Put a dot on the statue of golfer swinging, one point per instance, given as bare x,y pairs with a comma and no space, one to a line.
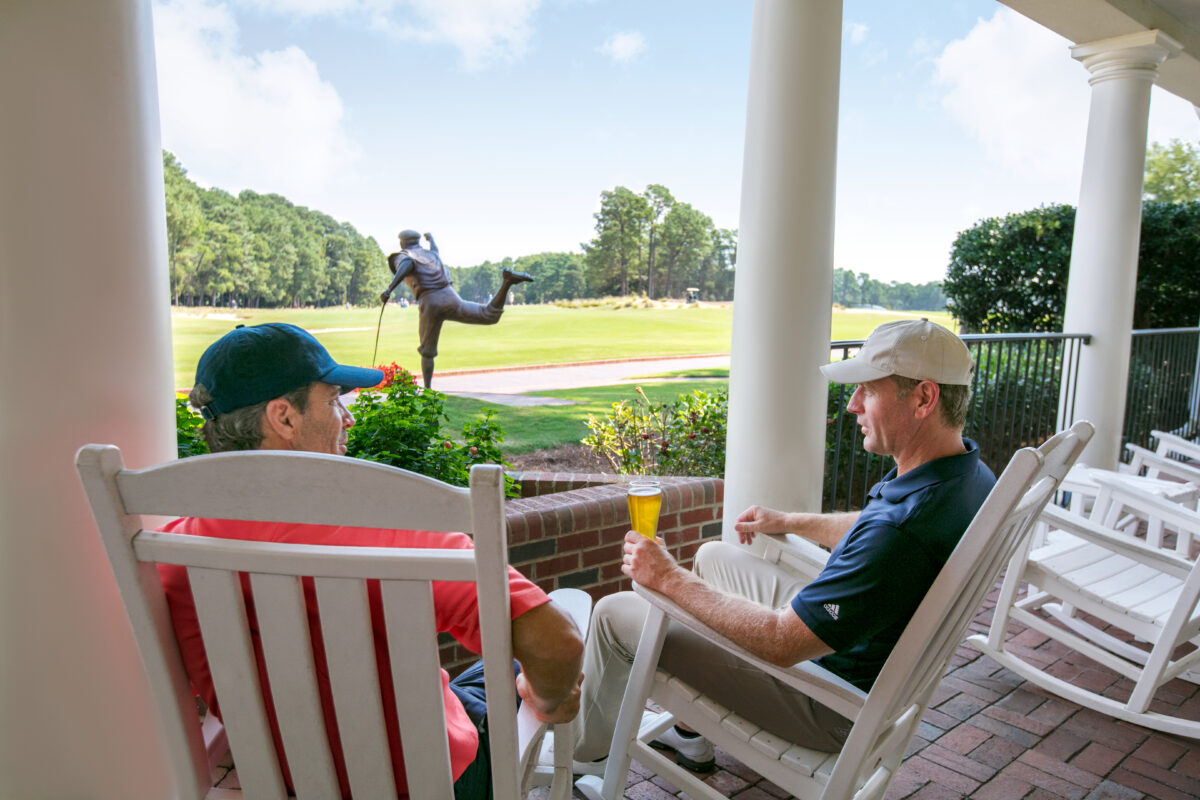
427,277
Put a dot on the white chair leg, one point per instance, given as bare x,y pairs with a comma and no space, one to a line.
630,716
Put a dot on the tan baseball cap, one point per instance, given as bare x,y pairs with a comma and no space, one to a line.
911,348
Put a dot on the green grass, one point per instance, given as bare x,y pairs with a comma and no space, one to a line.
526,334
531,428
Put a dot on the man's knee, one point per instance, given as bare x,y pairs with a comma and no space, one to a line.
713,553
617,622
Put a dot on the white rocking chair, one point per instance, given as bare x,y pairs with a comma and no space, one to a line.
886,718
329,490
1121,580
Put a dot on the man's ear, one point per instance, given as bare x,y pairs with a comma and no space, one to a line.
925,395
280,424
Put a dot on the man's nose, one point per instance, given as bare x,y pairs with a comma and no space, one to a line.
347,417
855,404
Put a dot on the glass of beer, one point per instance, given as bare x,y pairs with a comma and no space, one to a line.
645,503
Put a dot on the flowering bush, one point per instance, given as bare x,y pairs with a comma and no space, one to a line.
402,426
393,371
683,437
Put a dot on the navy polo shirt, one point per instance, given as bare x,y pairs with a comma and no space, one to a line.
882,567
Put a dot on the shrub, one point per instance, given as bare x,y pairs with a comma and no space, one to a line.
683,437
188,441
402,426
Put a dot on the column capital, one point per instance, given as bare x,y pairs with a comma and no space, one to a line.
1134,55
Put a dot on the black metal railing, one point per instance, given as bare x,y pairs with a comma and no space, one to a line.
1162,393
1016,401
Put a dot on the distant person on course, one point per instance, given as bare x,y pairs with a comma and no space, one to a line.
427,277
274,387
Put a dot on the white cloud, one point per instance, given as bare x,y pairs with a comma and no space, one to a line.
483,31
1013,85
857,32
624,47
266,121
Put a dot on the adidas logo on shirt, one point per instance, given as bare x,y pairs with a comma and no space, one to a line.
832,609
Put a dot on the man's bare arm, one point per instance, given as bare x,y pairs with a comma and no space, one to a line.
779,637
550,650
824,529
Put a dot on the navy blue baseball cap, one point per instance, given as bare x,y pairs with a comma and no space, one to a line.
254,364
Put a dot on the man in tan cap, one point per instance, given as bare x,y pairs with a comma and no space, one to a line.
911,399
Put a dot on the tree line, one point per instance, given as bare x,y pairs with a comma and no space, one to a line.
860,289
261,250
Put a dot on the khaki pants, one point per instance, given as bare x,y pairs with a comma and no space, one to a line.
612,642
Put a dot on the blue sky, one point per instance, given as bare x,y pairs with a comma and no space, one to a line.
496,124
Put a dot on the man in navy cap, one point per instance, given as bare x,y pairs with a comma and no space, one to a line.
913,388
274,387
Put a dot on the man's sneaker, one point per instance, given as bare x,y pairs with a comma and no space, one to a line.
695,753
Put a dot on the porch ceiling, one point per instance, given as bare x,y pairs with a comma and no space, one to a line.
1091,20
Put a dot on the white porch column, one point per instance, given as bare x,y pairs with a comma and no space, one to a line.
1104,252
781,318
85,355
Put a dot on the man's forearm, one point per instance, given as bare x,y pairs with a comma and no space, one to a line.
824,529
778,637
550,650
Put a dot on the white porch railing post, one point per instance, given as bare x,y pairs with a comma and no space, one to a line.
781,316
85,351
1104,252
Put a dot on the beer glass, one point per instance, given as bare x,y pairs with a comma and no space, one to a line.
645,503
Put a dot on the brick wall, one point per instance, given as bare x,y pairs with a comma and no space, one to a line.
566,532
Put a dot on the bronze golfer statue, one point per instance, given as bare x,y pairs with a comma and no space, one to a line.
422,269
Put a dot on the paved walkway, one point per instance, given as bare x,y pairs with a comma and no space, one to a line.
507,385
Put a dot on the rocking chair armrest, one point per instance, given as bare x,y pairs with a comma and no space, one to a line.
795,553
805,677
1143,457
1132,496
1173,443
1120,543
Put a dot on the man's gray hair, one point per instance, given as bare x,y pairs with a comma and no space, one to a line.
240,429
954,399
